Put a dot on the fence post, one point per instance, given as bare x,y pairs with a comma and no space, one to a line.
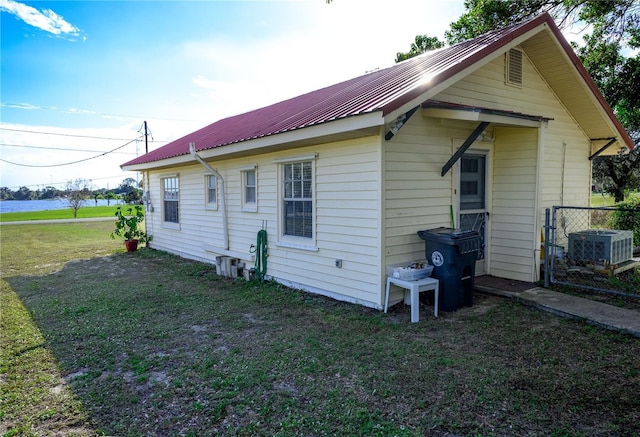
546,247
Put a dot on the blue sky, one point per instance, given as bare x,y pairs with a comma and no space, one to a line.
84,75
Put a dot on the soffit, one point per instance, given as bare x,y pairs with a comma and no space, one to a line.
559,71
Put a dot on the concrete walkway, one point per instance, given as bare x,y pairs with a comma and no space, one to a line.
595,313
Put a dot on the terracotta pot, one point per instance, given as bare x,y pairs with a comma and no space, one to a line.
131,245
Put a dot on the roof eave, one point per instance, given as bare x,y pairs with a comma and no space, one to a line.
355,126
600,102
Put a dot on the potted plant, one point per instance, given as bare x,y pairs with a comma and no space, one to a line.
128,227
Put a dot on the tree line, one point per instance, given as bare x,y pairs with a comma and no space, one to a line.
128,191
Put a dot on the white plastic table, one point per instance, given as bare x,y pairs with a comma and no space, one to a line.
415,287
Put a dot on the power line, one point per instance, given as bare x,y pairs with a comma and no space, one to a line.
60,148
62,135
70,163
78,136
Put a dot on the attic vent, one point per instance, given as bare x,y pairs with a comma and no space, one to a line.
514,67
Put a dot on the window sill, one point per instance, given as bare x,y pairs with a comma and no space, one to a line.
287,245
169,225
249,209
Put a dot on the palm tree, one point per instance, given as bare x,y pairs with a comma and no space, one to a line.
109,195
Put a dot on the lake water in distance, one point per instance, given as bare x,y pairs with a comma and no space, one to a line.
46,205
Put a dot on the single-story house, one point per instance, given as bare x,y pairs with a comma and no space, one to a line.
481,135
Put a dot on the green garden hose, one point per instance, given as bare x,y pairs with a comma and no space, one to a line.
453,222
261,255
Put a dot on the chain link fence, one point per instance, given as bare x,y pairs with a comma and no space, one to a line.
593,248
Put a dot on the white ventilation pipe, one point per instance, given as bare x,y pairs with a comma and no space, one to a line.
223,205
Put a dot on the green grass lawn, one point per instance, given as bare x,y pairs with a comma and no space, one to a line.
601,199
605,199
96,341
57,214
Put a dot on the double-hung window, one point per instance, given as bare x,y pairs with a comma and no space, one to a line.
212,191
249,189
170,200
297,190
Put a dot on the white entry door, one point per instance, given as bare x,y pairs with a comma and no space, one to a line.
472,198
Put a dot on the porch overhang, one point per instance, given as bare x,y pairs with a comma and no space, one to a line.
486,116
453,111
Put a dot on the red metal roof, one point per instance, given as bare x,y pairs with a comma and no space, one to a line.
384,90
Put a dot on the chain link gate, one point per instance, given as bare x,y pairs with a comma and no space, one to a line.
584,248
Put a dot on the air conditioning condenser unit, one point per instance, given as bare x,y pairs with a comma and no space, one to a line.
611,246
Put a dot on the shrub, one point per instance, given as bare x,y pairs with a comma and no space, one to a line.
600,218
128,224
628,217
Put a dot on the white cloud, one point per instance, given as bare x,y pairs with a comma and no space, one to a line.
321,45
44,19
25,106
201,82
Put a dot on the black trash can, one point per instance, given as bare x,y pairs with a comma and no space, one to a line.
453,253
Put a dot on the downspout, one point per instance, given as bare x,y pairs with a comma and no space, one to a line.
148,224
223,206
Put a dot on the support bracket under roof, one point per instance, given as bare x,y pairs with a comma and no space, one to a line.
399,122
467,143
603,148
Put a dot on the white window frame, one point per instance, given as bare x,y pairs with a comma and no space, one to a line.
249,205
165,223
210,204
294,241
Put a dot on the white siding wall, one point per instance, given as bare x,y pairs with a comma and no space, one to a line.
416,196
196,224
512,220
347,200
347,227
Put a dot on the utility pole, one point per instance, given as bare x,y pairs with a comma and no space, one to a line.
146,138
